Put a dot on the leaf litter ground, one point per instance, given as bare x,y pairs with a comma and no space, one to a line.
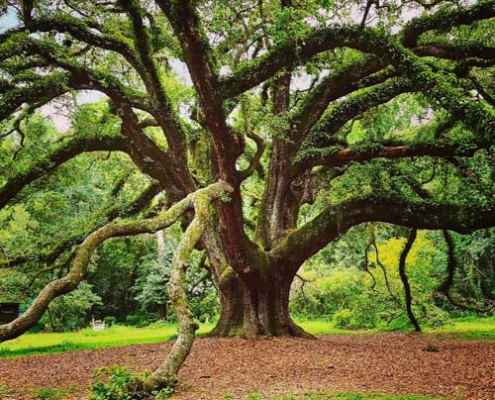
391,363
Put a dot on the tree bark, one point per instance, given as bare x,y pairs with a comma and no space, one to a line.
257,305
405,281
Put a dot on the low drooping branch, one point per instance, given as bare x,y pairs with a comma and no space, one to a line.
444,287
405,281
83,254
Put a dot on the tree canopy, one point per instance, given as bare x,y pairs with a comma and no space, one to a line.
268,128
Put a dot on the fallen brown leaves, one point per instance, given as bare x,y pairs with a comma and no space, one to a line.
390,363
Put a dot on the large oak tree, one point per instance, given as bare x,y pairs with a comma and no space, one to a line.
279,95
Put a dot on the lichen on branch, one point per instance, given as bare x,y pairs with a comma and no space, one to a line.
82,255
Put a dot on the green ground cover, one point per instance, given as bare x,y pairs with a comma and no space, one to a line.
47,343
469,328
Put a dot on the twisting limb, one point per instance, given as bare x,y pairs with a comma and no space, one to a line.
166,374
405,281
260,145
303,283
382,267
445,286
367,269
197,200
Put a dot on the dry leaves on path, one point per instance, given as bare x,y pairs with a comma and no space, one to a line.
217,368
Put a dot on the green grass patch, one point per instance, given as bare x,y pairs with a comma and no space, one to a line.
4,390
469,328
325,327
50,343
50,393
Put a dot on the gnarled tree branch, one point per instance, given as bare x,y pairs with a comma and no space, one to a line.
336,220
198,200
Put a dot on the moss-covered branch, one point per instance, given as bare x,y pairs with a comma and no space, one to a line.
337,219
80,29
165,115
166,374
321,135
286,55
46,88
453,52
83,253
445,19
334,157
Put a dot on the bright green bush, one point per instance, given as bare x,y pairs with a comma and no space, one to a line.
345,319
113,384
358,295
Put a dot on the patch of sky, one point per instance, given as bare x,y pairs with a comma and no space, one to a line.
8,19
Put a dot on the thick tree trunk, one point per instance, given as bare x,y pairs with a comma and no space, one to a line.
260,308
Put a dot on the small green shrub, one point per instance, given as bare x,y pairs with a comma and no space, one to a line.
400,323
163,394
110,321
49,393
118,383
113,384
346,319
436,317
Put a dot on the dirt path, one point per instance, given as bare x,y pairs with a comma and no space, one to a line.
387,363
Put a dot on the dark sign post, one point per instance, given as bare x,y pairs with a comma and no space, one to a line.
8,312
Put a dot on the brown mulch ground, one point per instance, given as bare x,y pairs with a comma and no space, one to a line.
388,363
